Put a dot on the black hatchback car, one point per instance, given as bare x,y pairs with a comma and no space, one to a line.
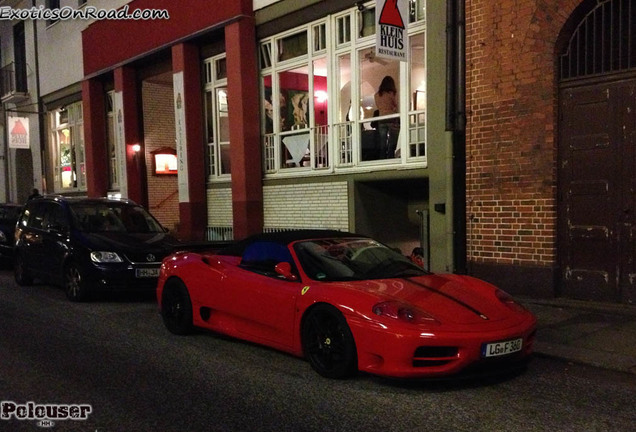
89,245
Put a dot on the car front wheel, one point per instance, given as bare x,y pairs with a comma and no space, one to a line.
176,307
328,343
74,284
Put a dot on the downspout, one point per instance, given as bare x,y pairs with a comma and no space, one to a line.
40,109
456,122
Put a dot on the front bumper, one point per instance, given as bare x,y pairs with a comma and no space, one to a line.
123,277
408,352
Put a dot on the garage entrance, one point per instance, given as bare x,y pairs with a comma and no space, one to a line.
393,212
597,160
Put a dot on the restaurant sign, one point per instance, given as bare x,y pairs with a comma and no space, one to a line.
391,17
18,132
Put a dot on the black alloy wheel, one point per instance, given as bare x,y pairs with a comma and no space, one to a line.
22,275
176,307
74,284
328,343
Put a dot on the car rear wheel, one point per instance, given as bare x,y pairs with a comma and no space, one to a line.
74,284
328,343
176,308
22,275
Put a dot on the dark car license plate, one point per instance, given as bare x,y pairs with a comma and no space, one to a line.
146,272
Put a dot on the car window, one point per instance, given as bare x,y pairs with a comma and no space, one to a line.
263,256
54,216
36,216
352,259
115,217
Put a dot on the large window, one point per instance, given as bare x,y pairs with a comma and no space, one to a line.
67,139
217,118
330,103
111,134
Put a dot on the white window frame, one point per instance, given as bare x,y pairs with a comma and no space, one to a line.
74,127
340,134
212,86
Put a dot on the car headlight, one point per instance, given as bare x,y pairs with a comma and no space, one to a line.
403,312
105,257
507,300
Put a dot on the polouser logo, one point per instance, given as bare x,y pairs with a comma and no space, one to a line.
44,414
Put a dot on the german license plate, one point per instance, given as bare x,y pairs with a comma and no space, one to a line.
146,272
501,348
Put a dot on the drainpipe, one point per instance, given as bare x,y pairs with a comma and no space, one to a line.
40,109
456,122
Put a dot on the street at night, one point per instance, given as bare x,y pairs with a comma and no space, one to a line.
115,355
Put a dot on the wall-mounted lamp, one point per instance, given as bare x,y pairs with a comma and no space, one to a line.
136,148
360,5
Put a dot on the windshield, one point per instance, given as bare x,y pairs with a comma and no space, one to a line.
352,259
114,217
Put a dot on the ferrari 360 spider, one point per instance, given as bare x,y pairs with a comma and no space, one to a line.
347,303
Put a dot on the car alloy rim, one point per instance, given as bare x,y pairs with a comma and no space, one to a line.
74,280
175,305
326,341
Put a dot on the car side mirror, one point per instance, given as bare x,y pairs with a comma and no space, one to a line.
285,270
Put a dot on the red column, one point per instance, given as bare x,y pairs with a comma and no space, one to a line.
95,138
189,109
245,141
126,83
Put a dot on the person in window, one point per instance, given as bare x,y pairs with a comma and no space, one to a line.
389,129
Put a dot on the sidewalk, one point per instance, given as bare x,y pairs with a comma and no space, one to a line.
598,334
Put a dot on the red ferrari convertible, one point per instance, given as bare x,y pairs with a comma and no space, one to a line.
345,302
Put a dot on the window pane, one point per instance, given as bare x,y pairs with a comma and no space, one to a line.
66,158
294,99
320,91
266,55
80,166
416,10
209,112
292,46
112,154
379,96
268,105
344,84
221,69
320,38
367,22
418,72
224,128
294,87
344,30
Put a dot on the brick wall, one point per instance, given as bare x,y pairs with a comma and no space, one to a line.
159,131
312,205
220,207
511,130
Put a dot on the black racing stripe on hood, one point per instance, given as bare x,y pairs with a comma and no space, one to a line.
456,300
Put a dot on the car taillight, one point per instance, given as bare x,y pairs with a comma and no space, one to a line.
403,312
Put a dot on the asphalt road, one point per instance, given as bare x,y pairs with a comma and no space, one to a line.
115,356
